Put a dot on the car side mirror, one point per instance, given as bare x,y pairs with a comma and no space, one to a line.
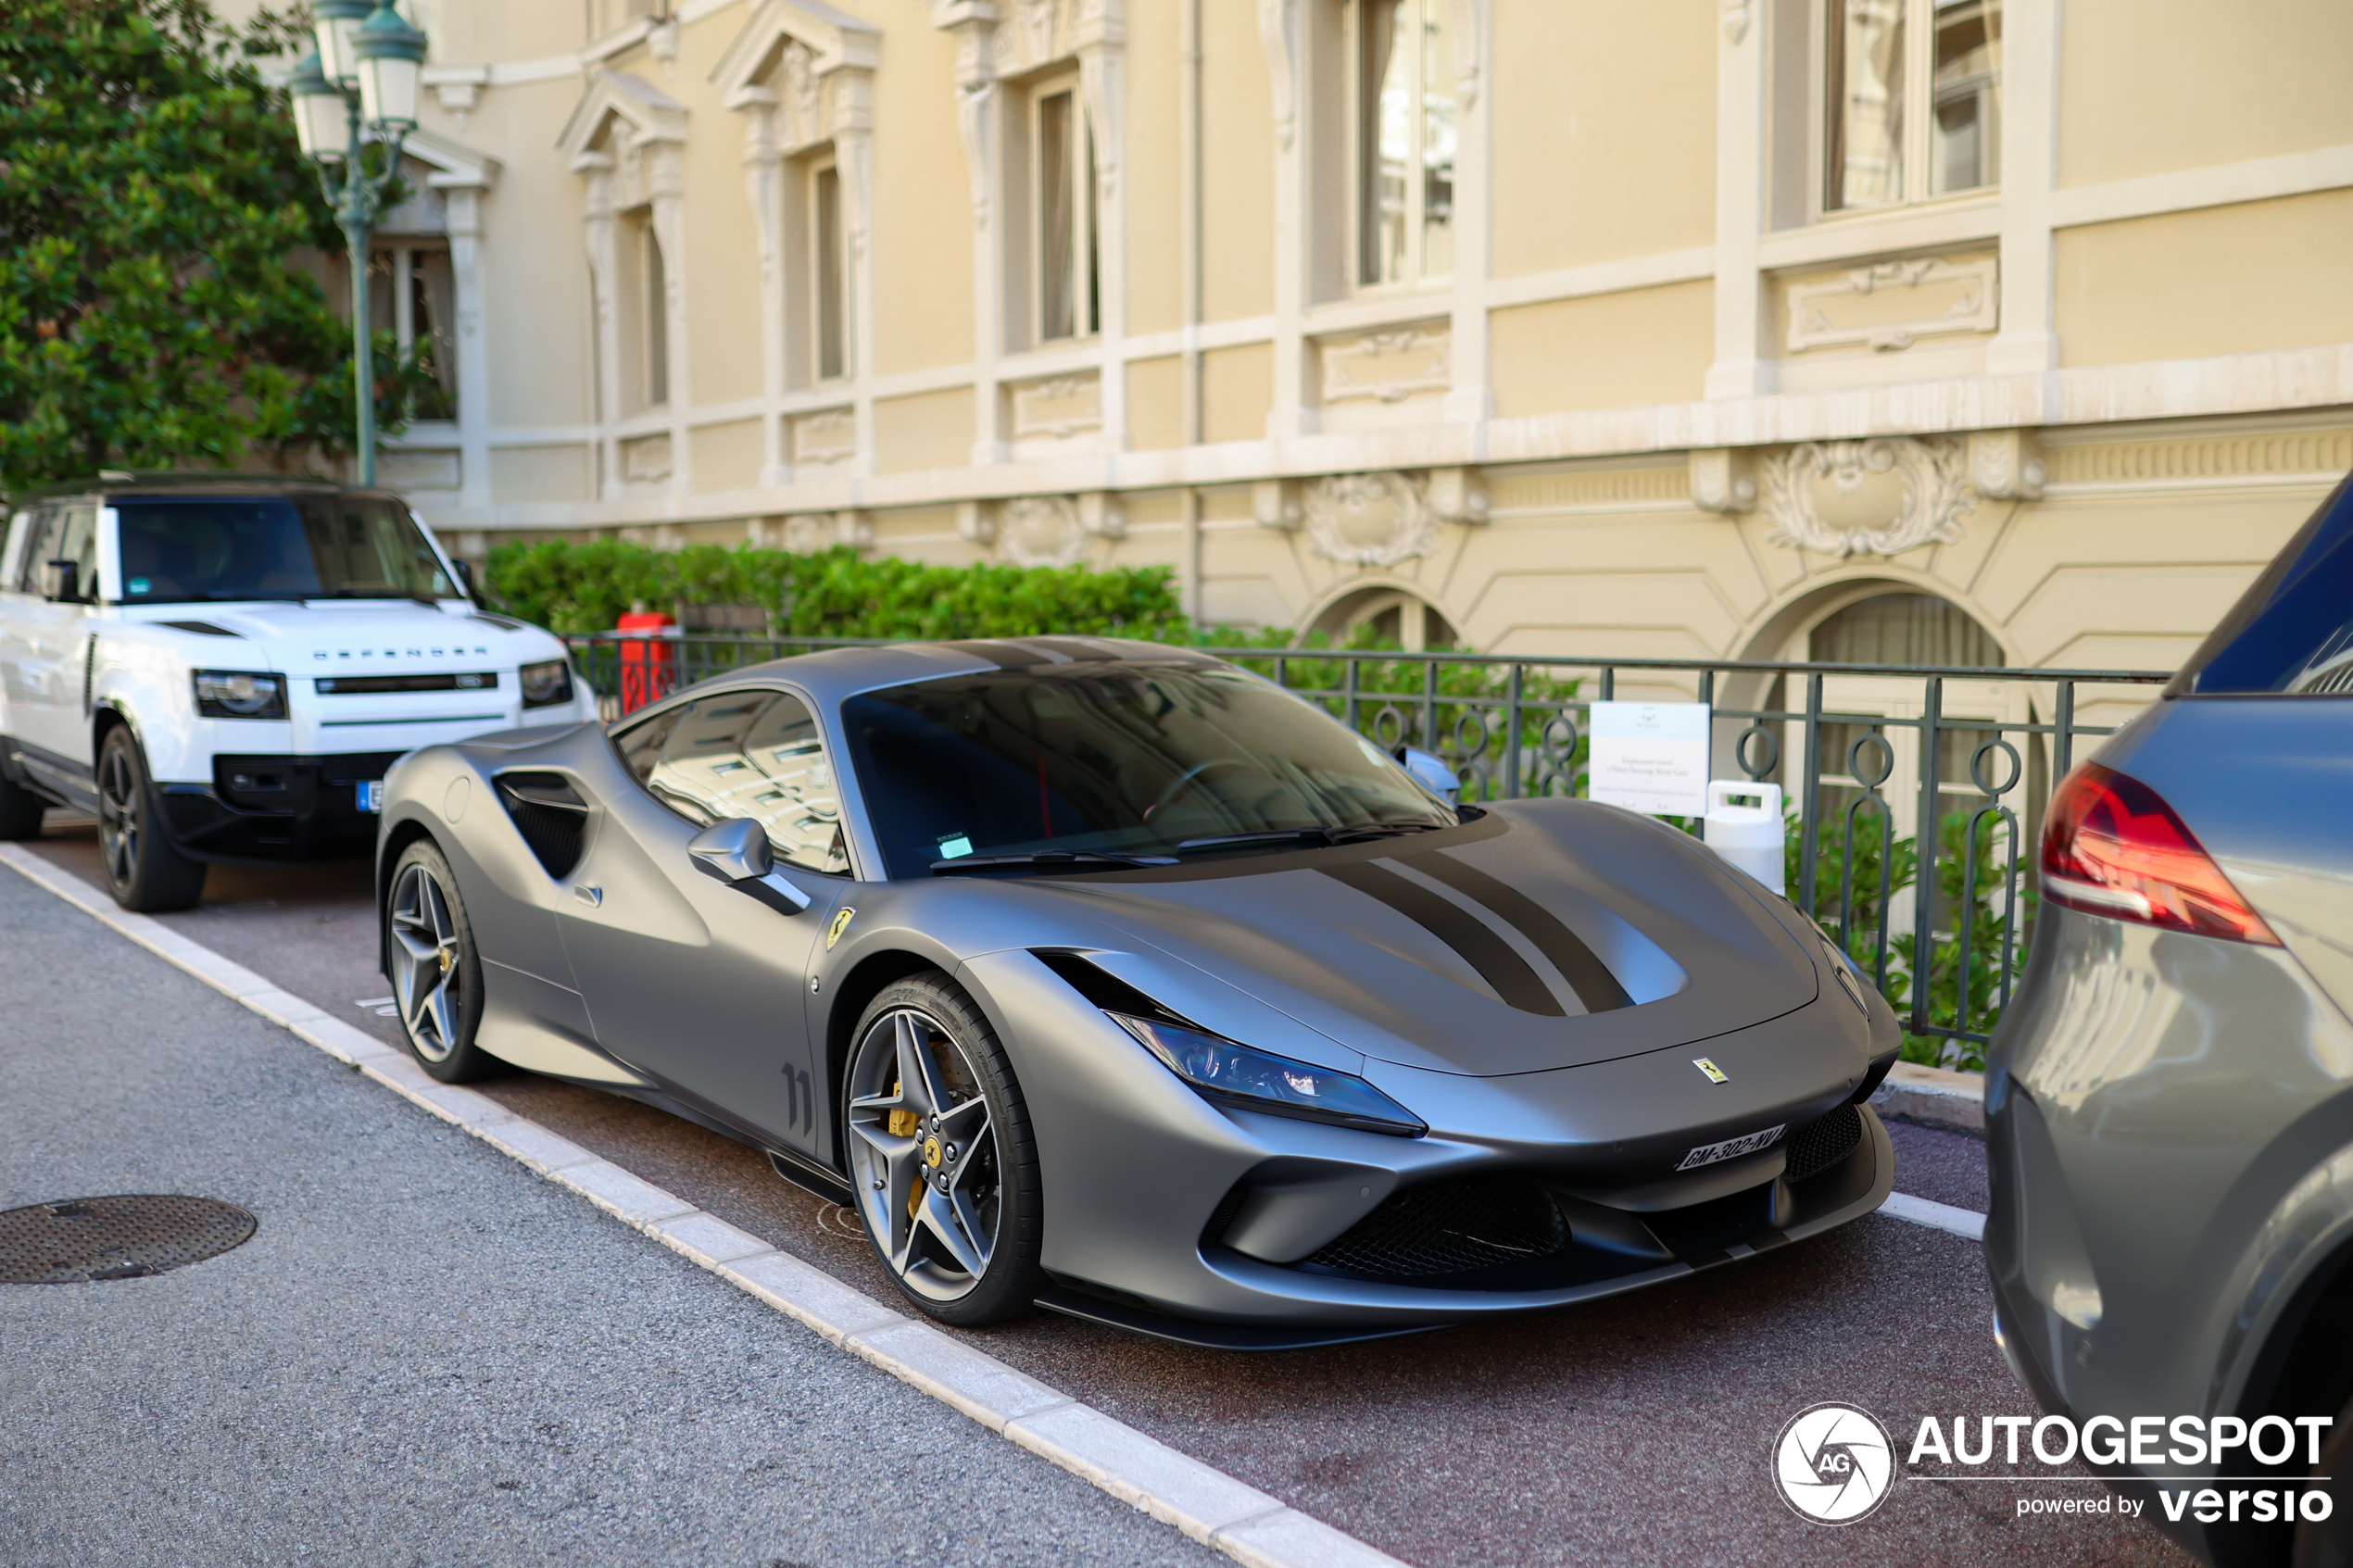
735,850
1435,775
61,581
463,570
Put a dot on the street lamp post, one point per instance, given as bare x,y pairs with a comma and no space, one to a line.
362,82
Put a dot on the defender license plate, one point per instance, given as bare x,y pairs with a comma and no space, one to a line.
1730,1148
371,795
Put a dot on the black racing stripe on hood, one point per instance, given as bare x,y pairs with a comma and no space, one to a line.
1586,975
1502,970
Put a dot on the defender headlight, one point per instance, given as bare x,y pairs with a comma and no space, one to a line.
1220,1070
238,694
543,685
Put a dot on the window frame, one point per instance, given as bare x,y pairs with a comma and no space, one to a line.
1360,126
653,309
1084,238
1918,159
402,251
828,258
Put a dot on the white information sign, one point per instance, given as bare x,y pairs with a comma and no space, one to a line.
1649,757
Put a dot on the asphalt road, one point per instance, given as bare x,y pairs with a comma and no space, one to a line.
1630,1431
425,1354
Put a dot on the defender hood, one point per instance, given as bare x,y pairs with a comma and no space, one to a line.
1544,935
362,636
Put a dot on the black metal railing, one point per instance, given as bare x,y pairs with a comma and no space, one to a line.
1926,880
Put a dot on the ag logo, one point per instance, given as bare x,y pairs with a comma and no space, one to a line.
1834,1464
841,923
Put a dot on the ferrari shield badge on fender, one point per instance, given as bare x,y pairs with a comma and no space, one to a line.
1715,1074
841,923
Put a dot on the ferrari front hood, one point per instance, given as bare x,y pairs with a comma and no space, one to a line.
1546,934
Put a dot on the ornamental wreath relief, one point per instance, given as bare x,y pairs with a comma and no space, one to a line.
1936,492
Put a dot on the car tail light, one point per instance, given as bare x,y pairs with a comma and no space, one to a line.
2111,846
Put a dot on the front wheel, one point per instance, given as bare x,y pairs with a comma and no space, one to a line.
145,871
941,1157
435,971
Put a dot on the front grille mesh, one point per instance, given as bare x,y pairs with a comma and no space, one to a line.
1820,1145
1448,1228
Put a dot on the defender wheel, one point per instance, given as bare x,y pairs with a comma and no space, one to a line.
437,973
942,1163
144,872
19,811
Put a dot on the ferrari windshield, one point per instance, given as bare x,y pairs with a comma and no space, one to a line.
199,548
1120,759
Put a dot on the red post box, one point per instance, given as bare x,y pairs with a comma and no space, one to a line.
648,662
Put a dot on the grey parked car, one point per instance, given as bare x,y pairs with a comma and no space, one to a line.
2166,1098
1110,977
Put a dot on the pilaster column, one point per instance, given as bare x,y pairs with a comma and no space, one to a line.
1101,47
1472,399
665,183
1282,33
464,210
602,260
2026,342
1740,369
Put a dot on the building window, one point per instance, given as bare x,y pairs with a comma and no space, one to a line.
1402,90
412,294
1069,250
1911,100
829,274
656,307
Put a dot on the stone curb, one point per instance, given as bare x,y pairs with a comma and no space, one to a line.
1205,1504
1934,1094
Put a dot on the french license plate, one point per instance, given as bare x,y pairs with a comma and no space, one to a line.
371,795
1730,1148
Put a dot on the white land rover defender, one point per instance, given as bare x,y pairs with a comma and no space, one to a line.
221,668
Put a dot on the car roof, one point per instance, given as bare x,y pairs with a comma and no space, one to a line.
217,482
832,674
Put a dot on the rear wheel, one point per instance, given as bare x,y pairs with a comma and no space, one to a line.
436,973
145,871
942,1163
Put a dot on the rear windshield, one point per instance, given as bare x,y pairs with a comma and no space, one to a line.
197,548
2292,633
1118,757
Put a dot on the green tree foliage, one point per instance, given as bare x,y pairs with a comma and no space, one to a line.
575,588
151,201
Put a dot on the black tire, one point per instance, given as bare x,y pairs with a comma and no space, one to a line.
434,967
20,811
145,871
921,1196
2328,1543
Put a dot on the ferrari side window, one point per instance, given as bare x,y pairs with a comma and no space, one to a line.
756,755
640,743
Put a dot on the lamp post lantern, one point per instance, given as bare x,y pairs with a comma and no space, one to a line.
359,86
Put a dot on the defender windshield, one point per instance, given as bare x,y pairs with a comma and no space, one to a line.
1120,760
196,548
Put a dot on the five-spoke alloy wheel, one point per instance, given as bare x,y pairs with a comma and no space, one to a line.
941,1155
144,871
436,976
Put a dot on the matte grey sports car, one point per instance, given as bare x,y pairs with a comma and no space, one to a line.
1111,978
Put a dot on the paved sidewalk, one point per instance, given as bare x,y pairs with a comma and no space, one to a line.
425,1355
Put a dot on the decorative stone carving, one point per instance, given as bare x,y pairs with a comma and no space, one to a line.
2006,465
1101,515
1831,497
1458,496
829,436
1388,366
976,521
1057,408
1275,503
1370,519
1892,305
811,531
1721,480
1735,21
646,459
1041,530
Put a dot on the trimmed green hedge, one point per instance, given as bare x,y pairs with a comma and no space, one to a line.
832,593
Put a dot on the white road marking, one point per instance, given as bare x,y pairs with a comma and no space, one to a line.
1936,1216
1204,1502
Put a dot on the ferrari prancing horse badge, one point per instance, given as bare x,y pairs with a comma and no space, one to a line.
841,923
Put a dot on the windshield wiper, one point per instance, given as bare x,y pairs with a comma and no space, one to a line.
1381,830
1045,858
1315,834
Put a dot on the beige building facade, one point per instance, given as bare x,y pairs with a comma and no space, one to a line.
1659,327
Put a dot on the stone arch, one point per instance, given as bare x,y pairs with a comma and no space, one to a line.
1395,608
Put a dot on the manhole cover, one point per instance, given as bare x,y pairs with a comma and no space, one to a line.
122,1237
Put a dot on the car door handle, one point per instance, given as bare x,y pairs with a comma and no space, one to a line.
590,896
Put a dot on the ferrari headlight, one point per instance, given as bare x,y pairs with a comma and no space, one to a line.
238,694
1220,1070
543,685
